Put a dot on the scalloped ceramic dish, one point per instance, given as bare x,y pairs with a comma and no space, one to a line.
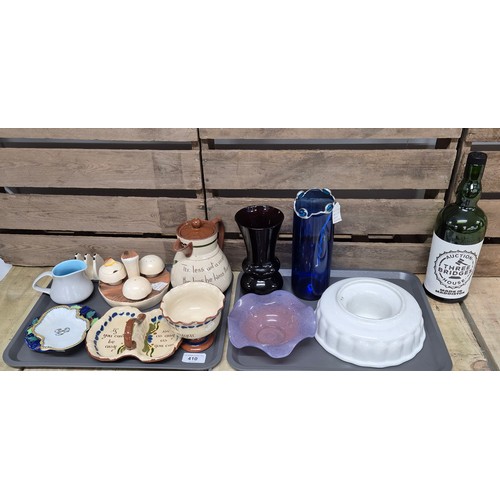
150,339
274,323
60,328
369,322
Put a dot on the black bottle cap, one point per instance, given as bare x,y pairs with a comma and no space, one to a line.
477,158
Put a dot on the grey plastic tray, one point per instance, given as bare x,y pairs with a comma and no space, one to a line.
18,355
309,355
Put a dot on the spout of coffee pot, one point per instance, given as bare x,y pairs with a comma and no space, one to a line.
182,251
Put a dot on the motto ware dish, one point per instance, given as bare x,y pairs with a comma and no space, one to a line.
193,311
126,331
369,322
274,323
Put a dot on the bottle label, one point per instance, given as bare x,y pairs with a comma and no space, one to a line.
450,268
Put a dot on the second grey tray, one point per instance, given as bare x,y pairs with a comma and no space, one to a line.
309,355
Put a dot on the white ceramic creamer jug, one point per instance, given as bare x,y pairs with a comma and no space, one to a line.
199,255
70,284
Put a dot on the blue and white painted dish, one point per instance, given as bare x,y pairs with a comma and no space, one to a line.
154,339
60,328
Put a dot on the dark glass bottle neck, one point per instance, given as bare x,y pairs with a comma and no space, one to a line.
469,189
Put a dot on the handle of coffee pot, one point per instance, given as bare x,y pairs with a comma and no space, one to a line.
221,230
38,278
129,330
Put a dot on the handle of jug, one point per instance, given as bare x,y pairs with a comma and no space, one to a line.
38,278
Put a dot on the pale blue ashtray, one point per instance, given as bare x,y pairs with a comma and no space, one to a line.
274,323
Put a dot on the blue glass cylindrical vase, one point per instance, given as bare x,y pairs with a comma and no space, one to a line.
312,242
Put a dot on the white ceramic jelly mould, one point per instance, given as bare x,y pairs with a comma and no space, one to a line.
369,322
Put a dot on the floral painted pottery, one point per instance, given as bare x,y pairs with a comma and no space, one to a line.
35,343
127,332
274,323
369,322
259,225
313,223
70,284
193,311
199,255
60,328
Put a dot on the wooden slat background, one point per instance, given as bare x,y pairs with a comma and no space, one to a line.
489,260
148,192
108,214
103,134
235,177
100,168
328,133
358,216
48,250
42,228
379,169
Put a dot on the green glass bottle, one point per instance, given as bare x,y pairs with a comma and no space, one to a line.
458,237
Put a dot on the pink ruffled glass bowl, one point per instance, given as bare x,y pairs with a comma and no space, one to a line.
274,323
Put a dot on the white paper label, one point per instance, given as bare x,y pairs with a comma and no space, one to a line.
159,286
336,217
194,357
450,268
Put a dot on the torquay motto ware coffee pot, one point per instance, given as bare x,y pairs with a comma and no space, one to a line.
199,255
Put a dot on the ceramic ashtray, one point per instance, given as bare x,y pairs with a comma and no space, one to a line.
369,322
58,329
274,323
127,332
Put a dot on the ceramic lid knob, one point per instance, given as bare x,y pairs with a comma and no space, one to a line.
196,229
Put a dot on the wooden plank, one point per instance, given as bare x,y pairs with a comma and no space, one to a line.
491,176
102,134
108,214
481,306
492,210
465,352
360,217
483,135
329,133
86,168
410,257
488,263
379,169
48,250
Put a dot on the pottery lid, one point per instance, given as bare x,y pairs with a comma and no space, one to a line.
197,229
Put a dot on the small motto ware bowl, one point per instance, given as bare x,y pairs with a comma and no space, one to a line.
274,323
193,309
369,322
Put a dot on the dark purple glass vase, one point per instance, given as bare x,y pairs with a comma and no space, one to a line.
260,226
